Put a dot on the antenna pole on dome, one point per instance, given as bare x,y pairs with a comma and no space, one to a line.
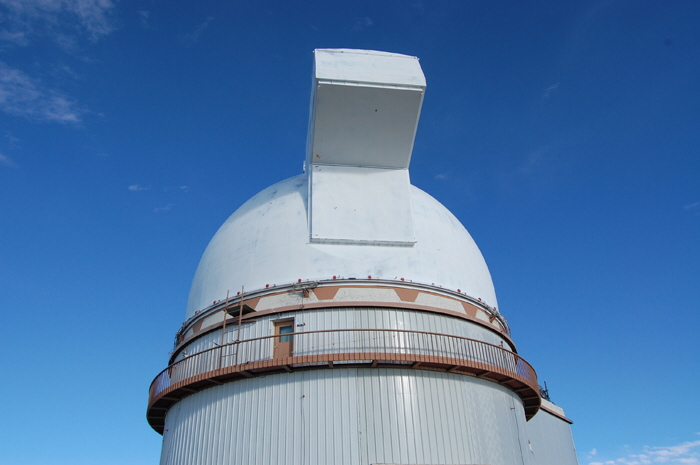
240,312
223,332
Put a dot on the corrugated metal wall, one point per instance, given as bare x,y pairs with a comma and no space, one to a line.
439,418
551,440
349,416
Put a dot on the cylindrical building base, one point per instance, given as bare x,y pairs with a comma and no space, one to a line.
344,416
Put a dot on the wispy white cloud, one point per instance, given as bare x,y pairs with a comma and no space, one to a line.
24,16
534,167
362,23
442,176
548,91
418,5
15,37
193,37
691,207
12,140
65,22
64,70
7,161
182,188
681,454
164,209
144,16
23,96
137,188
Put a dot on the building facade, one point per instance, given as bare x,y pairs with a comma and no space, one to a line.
344,316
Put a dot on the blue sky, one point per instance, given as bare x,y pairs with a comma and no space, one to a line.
564,135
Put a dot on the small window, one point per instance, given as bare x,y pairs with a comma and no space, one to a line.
287,329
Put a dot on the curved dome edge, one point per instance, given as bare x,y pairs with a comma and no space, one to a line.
266,241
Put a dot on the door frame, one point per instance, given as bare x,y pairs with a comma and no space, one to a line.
280,348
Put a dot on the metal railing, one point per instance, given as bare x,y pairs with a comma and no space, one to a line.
345,346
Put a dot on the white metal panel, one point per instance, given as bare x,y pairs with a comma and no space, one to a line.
368,66
364,126
439,418
551,442
365,108
299,418
414,320
440,302
351,205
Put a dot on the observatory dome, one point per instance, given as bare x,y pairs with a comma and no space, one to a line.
266,243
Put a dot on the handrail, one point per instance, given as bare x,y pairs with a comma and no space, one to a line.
519,361
342,347
355,347
335,331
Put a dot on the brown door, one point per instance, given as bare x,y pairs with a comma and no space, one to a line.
284,340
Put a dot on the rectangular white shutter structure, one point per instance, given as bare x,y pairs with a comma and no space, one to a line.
364,113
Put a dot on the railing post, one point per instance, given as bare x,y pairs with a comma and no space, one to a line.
238,345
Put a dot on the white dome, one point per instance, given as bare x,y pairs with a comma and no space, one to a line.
266,241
